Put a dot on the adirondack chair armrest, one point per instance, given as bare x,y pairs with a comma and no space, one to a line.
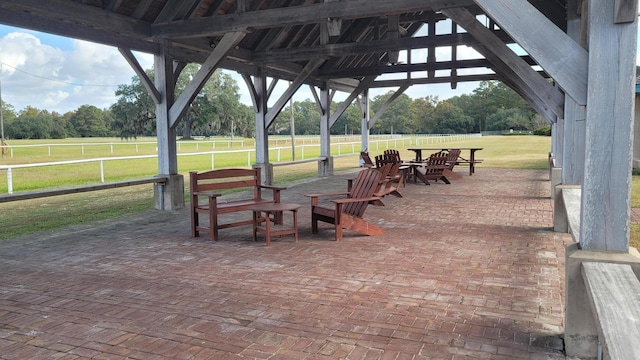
352,200
315,197
327,194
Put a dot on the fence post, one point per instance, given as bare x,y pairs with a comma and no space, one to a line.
101,170
9,181
49,150
278,154
212,161
248,158
111,145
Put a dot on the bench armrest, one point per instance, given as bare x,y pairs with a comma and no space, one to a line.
206,193
277,188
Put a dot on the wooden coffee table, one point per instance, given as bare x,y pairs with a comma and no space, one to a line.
269,229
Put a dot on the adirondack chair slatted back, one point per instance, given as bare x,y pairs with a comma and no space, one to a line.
394,155
364,186
452,157
437,162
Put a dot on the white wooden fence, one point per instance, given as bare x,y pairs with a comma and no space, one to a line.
338,149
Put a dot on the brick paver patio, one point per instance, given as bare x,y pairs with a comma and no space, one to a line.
469,270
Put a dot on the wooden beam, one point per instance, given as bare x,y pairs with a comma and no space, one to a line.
44,23
405,68
386,105
435,80
368,47
606,187
75,13
625,11
227,42
295,85
508,63
293,15
559,55
144,79
364,84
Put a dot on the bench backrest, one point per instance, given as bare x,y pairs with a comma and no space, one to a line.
223,179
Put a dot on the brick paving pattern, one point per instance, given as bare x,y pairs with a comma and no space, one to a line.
469,270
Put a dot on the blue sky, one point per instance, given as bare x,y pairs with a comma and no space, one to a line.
61,74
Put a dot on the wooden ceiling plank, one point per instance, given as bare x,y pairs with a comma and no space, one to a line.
559,55
295,15
141,9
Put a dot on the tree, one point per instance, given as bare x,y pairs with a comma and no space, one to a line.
509,119
32,123
349,122
89,121
134,111
396,118
451,119
422,112
216,110
489,98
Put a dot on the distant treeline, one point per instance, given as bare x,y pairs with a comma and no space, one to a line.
217,111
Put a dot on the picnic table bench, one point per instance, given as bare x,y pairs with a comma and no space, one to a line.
207,184
472,161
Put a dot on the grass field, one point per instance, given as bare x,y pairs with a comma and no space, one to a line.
17,218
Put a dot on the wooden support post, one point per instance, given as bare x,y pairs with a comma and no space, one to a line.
364,124
325,167
606,186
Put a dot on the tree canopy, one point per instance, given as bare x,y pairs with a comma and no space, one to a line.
217,111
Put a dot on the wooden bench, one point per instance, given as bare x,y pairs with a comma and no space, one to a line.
208,184
614,293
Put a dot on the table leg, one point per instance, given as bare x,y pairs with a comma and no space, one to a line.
472,158
268,226
255,225
295,225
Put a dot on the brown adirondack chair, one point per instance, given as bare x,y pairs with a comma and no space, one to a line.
392,155
391,179
452,159
366,159
347,212
433,169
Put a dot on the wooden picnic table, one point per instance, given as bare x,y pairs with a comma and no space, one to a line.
471,160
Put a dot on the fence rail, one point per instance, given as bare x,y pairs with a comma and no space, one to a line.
338,148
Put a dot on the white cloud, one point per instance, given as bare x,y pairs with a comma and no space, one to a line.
47,77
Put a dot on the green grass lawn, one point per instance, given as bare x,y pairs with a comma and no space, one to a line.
17,218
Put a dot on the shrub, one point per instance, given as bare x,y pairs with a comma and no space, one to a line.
543,131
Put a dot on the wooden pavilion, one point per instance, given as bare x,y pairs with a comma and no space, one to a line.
579,74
